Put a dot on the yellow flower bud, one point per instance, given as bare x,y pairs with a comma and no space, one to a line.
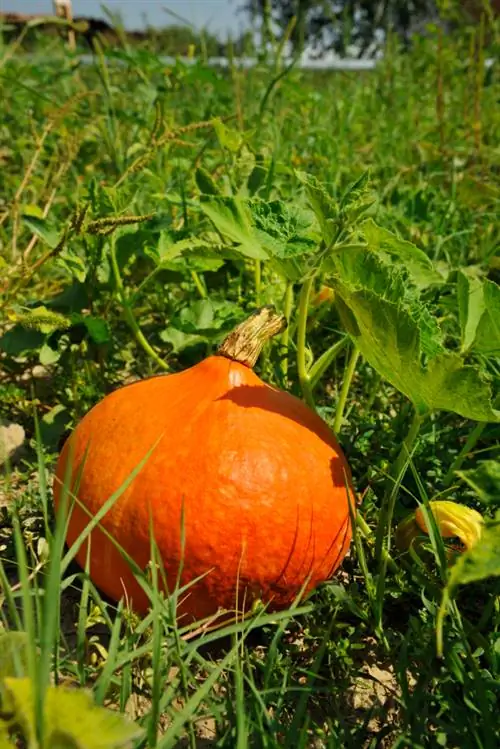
452,519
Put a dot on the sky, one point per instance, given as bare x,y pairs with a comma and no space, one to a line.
217,16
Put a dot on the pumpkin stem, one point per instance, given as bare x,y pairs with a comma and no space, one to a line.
245,342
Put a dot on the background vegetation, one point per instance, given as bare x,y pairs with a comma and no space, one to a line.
144,211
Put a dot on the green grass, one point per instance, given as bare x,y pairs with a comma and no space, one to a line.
116,187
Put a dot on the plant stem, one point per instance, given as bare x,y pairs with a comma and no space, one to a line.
373,391
320,366
399,466
387,512
470,443
129,315
344,392
285,337
397,472
244,344
303,375
257,280
199,284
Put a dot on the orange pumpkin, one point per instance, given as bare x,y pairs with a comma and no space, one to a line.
246,477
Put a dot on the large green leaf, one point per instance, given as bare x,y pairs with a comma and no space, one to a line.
485,480
417,264
390,339
233,219
325,208
71,718
471,306
360,268
482,560
487,339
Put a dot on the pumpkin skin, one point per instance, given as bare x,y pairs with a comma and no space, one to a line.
257,479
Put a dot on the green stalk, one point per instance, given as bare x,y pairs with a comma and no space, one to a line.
320,366
373,391
387,513
285,336
397,472
344,392
303,375
257,280
199,284
399,467
129,315
470,444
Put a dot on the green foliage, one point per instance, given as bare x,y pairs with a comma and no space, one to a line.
147,210
390,339
231,217
479,311
487,339
484,480
202,322
386,244
71,719
340,25
480,562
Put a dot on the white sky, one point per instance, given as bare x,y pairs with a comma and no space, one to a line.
218,16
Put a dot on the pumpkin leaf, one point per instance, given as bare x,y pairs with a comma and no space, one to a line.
418,265
481,561
487,339
390,338
288,234
484,480
233,220
363,269
471,306
71,718
324,207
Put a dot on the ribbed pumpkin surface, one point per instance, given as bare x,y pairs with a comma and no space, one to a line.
256,478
